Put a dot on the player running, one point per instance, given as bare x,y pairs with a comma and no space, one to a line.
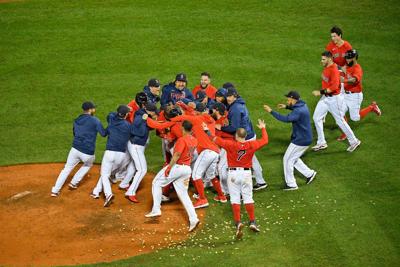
177,172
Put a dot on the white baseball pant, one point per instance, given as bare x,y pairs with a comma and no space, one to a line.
257,169
352,103
240,184
335,105
74,157
222,168
179,176
112,160
291,160
130,171
137,154
205,166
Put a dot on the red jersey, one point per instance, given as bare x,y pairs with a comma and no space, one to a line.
175,128
241,154
338,52
185,108
331,79
203,140
186,146
223,121
210,90
134,108
353,72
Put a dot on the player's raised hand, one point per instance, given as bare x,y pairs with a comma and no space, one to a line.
192,104
281,106
267,108
316,93
261,123
218,126
205,127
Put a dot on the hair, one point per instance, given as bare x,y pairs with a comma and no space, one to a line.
326,54
337,30
206,74
241,132
187,125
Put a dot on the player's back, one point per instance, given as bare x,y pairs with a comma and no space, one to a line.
118,133
240,154
85,133
186,145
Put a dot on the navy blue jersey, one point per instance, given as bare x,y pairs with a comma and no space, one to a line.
85,132
118,131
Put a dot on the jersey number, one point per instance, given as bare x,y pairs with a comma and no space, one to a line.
241,153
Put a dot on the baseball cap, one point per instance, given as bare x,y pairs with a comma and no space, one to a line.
201,107
221,92
220,107
122,110
232,91
181,77
153,83
293,94
150,107
88,105
228,85
200,95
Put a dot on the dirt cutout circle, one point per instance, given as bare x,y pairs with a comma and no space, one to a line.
74,228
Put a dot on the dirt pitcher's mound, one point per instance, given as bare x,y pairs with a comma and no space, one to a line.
74,228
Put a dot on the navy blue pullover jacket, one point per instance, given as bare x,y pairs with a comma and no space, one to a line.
170,94
139,130
238,117
85,132
152,98
300,119
118,133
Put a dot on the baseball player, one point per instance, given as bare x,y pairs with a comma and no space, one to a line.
152,91
201,97
353,95
300,140
136,104
177,91
337,46
136,147
115,156
238,117
331,100
85,130
177,172
240,153
220,96
206,162
205,86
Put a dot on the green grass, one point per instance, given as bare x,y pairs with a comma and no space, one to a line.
56,54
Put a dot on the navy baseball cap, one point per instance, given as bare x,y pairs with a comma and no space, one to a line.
153,83
201,107
122,110
232,91
200,95
228,85
181,77
221,92
88,105
293,94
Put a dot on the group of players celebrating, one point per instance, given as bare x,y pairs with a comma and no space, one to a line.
208,138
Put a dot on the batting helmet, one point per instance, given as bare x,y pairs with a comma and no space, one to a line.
352,53
141,98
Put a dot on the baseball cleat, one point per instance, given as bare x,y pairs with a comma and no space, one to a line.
376,109
165,198
290,188
153,214
311,178
54,194
254,227
353,147
132,199
318,147
258,186
71,186
94,196
221,199
341,138
108,200
200,203
239,230
193,225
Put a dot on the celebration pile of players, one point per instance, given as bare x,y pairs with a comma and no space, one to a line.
208,138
